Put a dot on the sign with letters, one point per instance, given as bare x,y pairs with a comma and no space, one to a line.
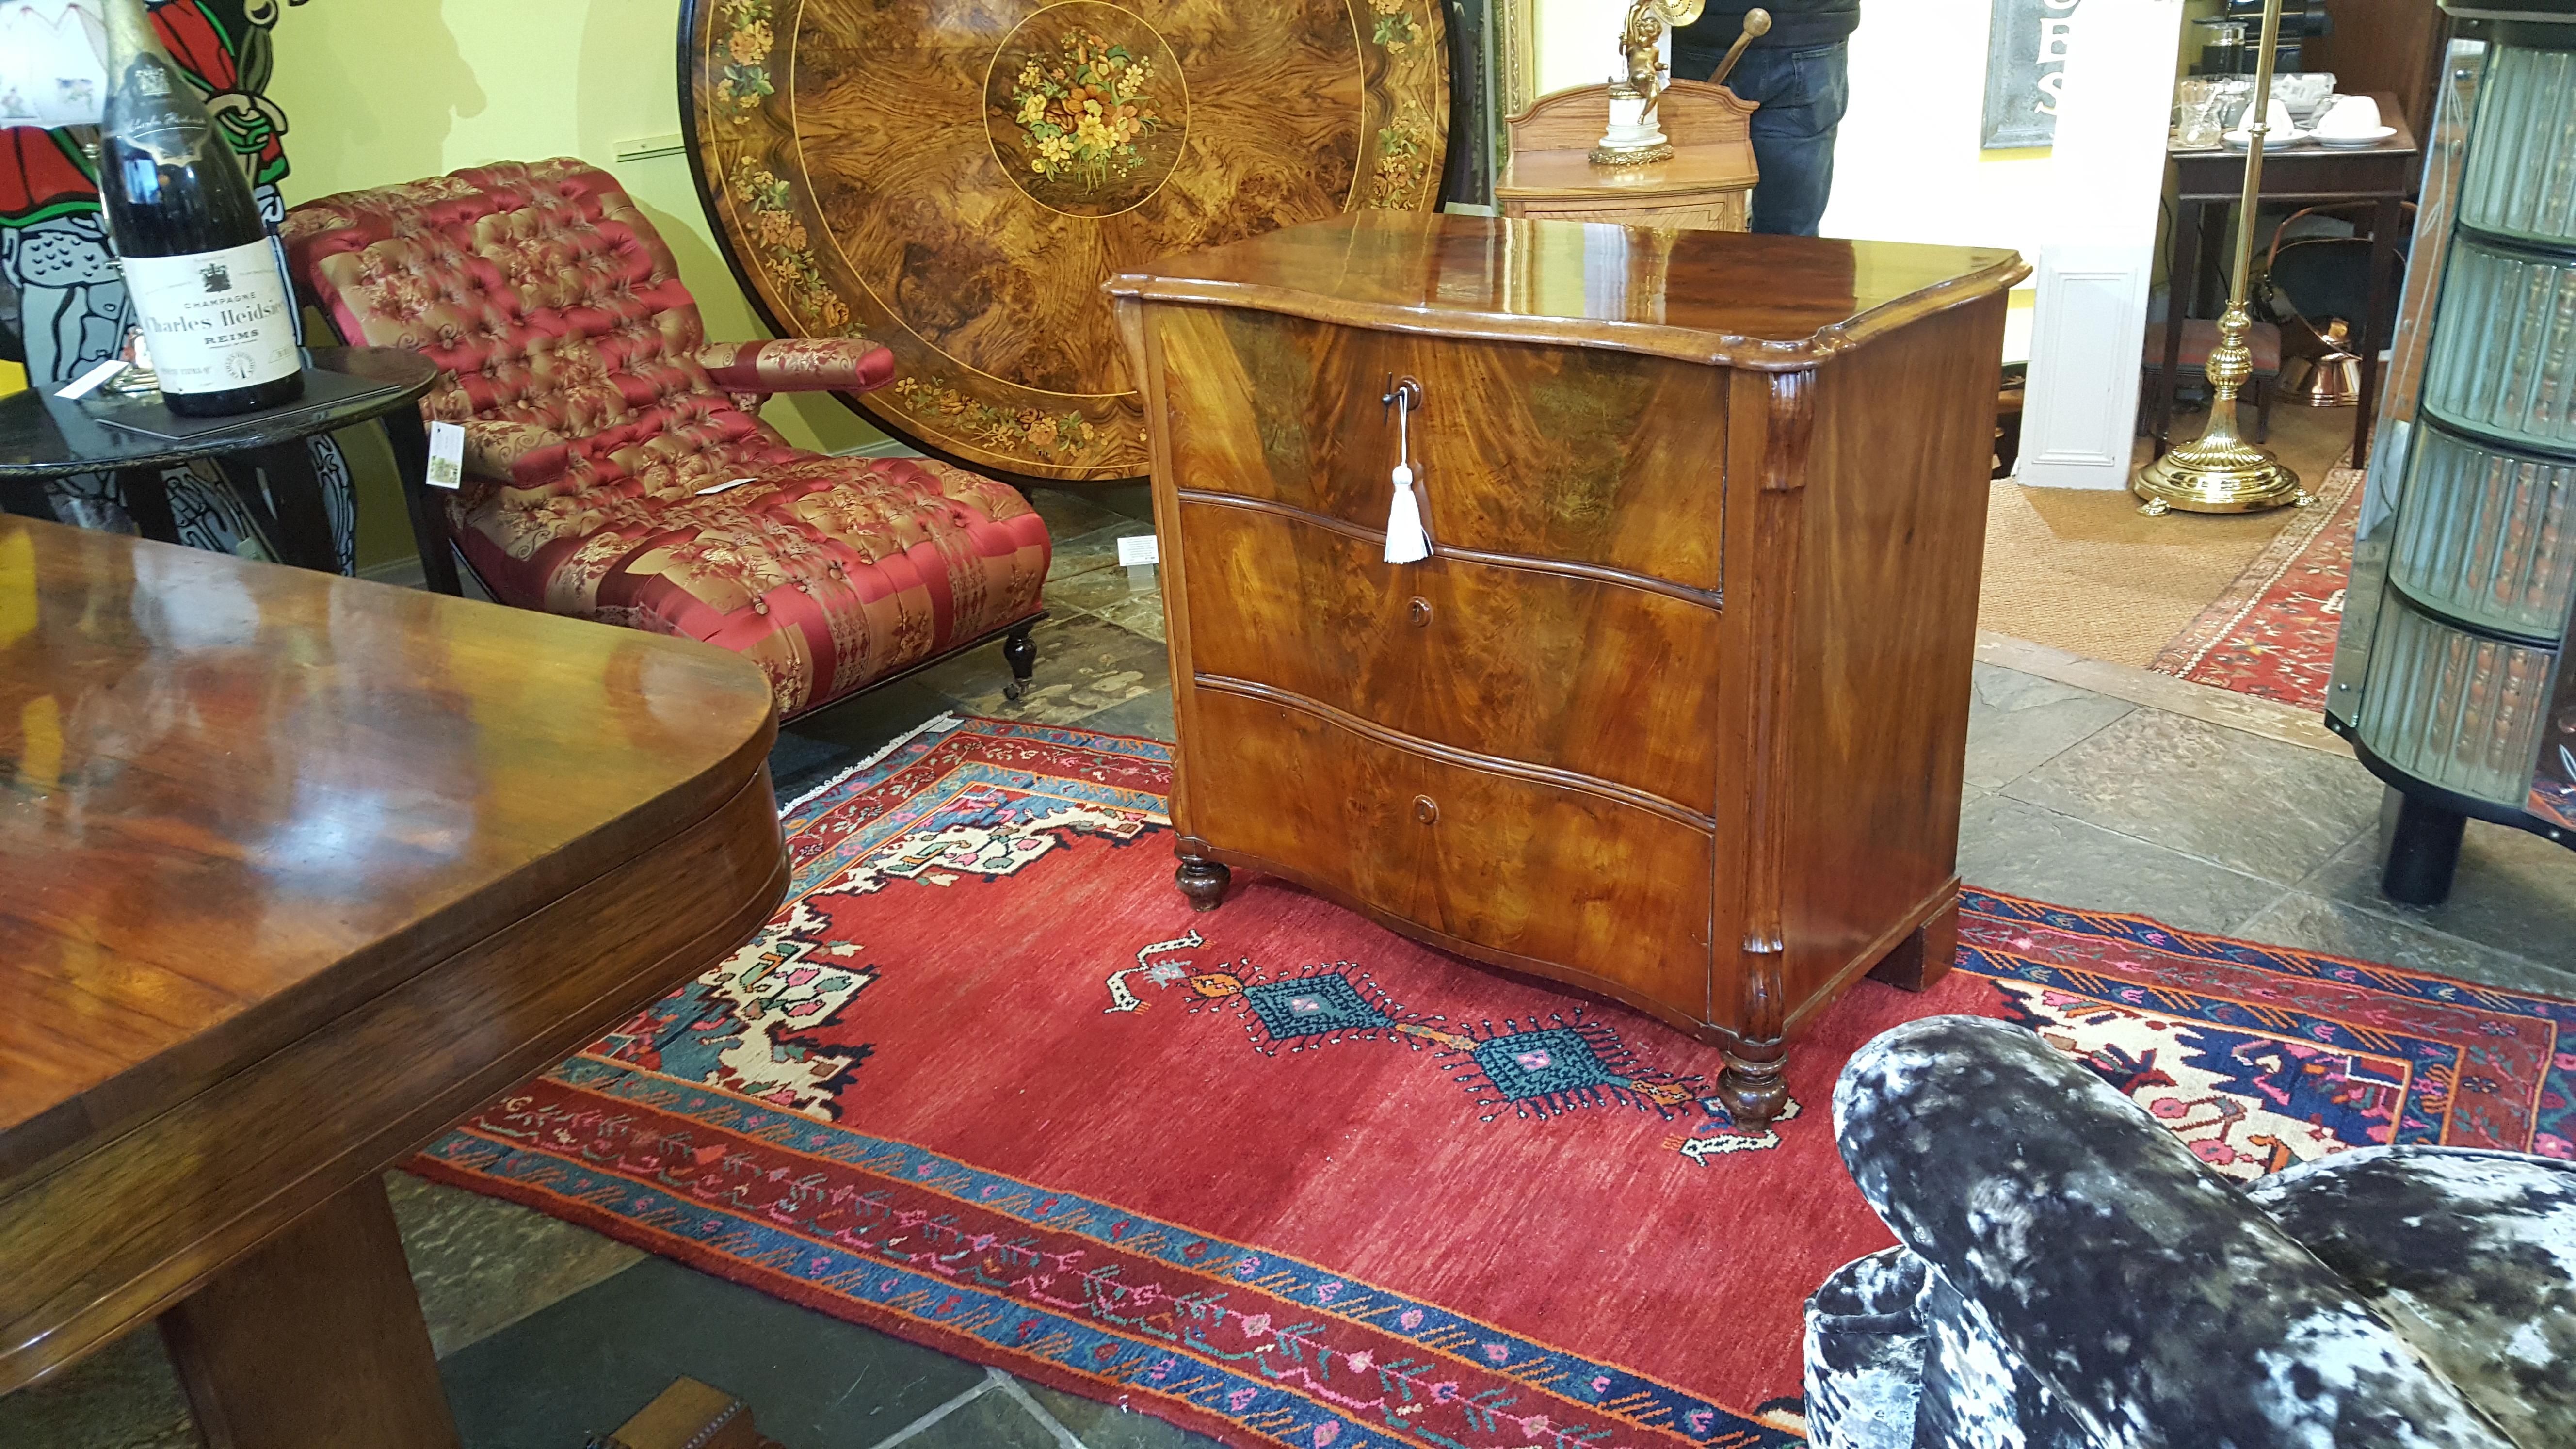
2026,71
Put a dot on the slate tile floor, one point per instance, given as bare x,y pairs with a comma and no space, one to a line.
2089,785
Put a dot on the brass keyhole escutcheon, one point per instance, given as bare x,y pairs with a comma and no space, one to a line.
1425,809
1421,613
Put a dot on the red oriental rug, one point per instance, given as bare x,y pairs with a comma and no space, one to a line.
2272,634
1284,1178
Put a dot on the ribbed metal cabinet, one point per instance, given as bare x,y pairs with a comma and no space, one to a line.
2449,676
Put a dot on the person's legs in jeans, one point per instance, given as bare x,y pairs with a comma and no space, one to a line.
1803,94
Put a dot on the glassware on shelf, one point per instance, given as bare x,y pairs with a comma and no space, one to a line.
2521,178
2235,97
2305,92
2198,125
2487,535
2222,44
2455,709
2504,343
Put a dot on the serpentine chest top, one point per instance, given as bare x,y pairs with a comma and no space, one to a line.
1675,708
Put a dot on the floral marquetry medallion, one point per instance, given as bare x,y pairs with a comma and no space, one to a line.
1089,112
955,179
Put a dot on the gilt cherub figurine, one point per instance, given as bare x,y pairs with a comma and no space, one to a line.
1646,23
1633,138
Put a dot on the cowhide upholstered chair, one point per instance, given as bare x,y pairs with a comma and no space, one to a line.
616,465
2071,1277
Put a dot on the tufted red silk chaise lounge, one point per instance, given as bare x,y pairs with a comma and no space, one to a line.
601,429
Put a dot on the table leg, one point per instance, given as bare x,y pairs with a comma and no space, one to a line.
2181,285
26,498
146,492
2383,300
314,1340
295,493
410,439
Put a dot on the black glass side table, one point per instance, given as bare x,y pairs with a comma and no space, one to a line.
43,436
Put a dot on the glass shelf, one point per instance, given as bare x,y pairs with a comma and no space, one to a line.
2522,167
2456,709
2487,535
2504,345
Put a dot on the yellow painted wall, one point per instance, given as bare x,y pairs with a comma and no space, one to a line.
382,91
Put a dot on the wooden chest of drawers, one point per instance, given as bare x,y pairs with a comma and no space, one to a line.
1676,708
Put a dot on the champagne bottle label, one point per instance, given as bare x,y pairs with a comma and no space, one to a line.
215,320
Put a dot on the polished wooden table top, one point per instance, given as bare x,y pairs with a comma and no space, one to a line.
1767,302
236,798
294,871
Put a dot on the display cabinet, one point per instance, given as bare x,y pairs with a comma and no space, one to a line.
2449,677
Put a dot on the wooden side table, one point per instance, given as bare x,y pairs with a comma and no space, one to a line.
298,871
1707,184
2309,173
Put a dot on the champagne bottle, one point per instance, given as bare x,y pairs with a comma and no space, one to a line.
215,310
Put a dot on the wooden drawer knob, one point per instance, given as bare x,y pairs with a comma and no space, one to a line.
1421,613
1425,809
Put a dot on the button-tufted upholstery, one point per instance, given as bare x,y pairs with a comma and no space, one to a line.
601,428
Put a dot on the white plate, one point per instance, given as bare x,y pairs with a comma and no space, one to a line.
2242,141
2357,140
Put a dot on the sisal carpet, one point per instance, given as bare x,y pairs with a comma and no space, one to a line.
1282,1177
2082,570
2272,634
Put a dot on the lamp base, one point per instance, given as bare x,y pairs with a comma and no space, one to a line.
1639,156
1633,138
2230,477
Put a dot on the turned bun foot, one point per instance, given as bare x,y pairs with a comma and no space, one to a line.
1753,1086
1203,881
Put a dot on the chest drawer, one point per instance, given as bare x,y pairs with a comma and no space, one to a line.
1609,459
1539,870
1532,664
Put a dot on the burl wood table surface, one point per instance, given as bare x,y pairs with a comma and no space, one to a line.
294,872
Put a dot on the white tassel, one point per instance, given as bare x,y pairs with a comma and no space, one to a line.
1405,542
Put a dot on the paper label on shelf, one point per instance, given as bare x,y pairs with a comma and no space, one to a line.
1139,551
446,455
215,320
90,381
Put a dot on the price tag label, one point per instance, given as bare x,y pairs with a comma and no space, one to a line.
446,455
1139,551
88,382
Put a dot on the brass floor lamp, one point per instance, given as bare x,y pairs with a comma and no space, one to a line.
2219,472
